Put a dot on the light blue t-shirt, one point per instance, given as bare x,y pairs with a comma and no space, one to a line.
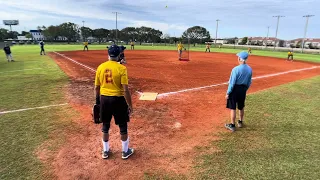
240,75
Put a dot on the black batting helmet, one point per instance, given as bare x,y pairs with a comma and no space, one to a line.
114,51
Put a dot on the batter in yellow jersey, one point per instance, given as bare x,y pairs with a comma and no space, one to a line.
180,48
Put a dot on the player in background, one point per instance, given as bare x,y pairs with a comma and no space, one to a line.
42,48
113,96
7,51
249,50
180,48
122,57
132,45
85,45
290,56
207,47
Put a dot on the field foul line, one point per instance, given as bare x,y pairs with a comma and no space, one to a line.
76,62
225,83
26,109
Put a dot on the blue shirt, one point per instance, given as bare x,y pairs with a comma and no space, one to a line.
240,75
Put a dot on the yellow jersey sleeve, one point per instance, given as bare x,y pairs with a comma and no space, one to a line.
124,77
97,79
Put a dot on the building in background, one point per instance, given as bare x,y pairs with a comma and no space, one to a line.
309,43
37,35
264,41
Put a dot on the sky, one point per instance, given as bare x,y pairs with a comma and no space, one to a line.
238,18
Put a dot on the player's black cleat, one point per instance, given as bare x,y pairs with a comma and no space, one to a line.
240,124
96,114
126,155
231,127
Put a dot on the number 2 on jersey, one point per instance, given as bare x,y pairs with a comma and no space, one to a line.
108,76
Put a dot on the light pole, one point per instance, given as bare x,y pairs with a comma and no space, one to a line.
267,36
83,23
116,25
305,31
275,41
215,42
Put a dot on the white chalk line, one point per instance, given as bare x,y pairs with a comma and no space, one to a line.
20,70
76,62
202,87
26,109
225,83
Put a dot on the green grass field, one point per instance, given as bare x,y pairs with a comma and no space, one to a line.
22,133
285,147
281,139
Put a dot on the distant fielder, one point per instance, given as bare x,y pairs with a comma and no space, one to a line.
7,51
42,48
208,47
290,56
132,45
85,45
180,48
249,50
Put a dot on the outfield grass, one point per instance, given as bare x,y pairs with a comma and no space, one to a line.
297,56
24,134
280,141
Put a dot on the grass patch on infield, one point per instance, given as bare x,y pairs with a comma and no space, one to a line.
280,140
31,81
277,54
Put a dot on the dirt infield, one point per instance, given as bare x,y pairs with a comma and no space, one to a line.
166,133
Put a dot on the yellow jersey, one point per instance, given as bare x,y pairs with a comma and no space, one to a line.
132,43
208,46
85,43
110,76
290,53
180,46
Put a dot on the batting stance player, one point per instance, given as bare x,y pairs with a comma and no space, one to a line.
239,83
113,95
42,48
180,48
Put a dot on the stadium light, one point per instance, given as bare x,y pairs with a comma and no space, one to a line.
83,23
275,41
116,25
267,36
215,42
305,31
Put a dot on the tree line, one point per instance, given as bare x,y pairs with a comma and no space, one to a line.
72,32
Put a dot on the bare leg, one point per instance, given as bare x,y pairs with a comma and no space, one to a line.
233,116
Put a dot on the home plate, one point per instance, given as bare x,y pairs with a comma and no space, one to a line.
148,96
